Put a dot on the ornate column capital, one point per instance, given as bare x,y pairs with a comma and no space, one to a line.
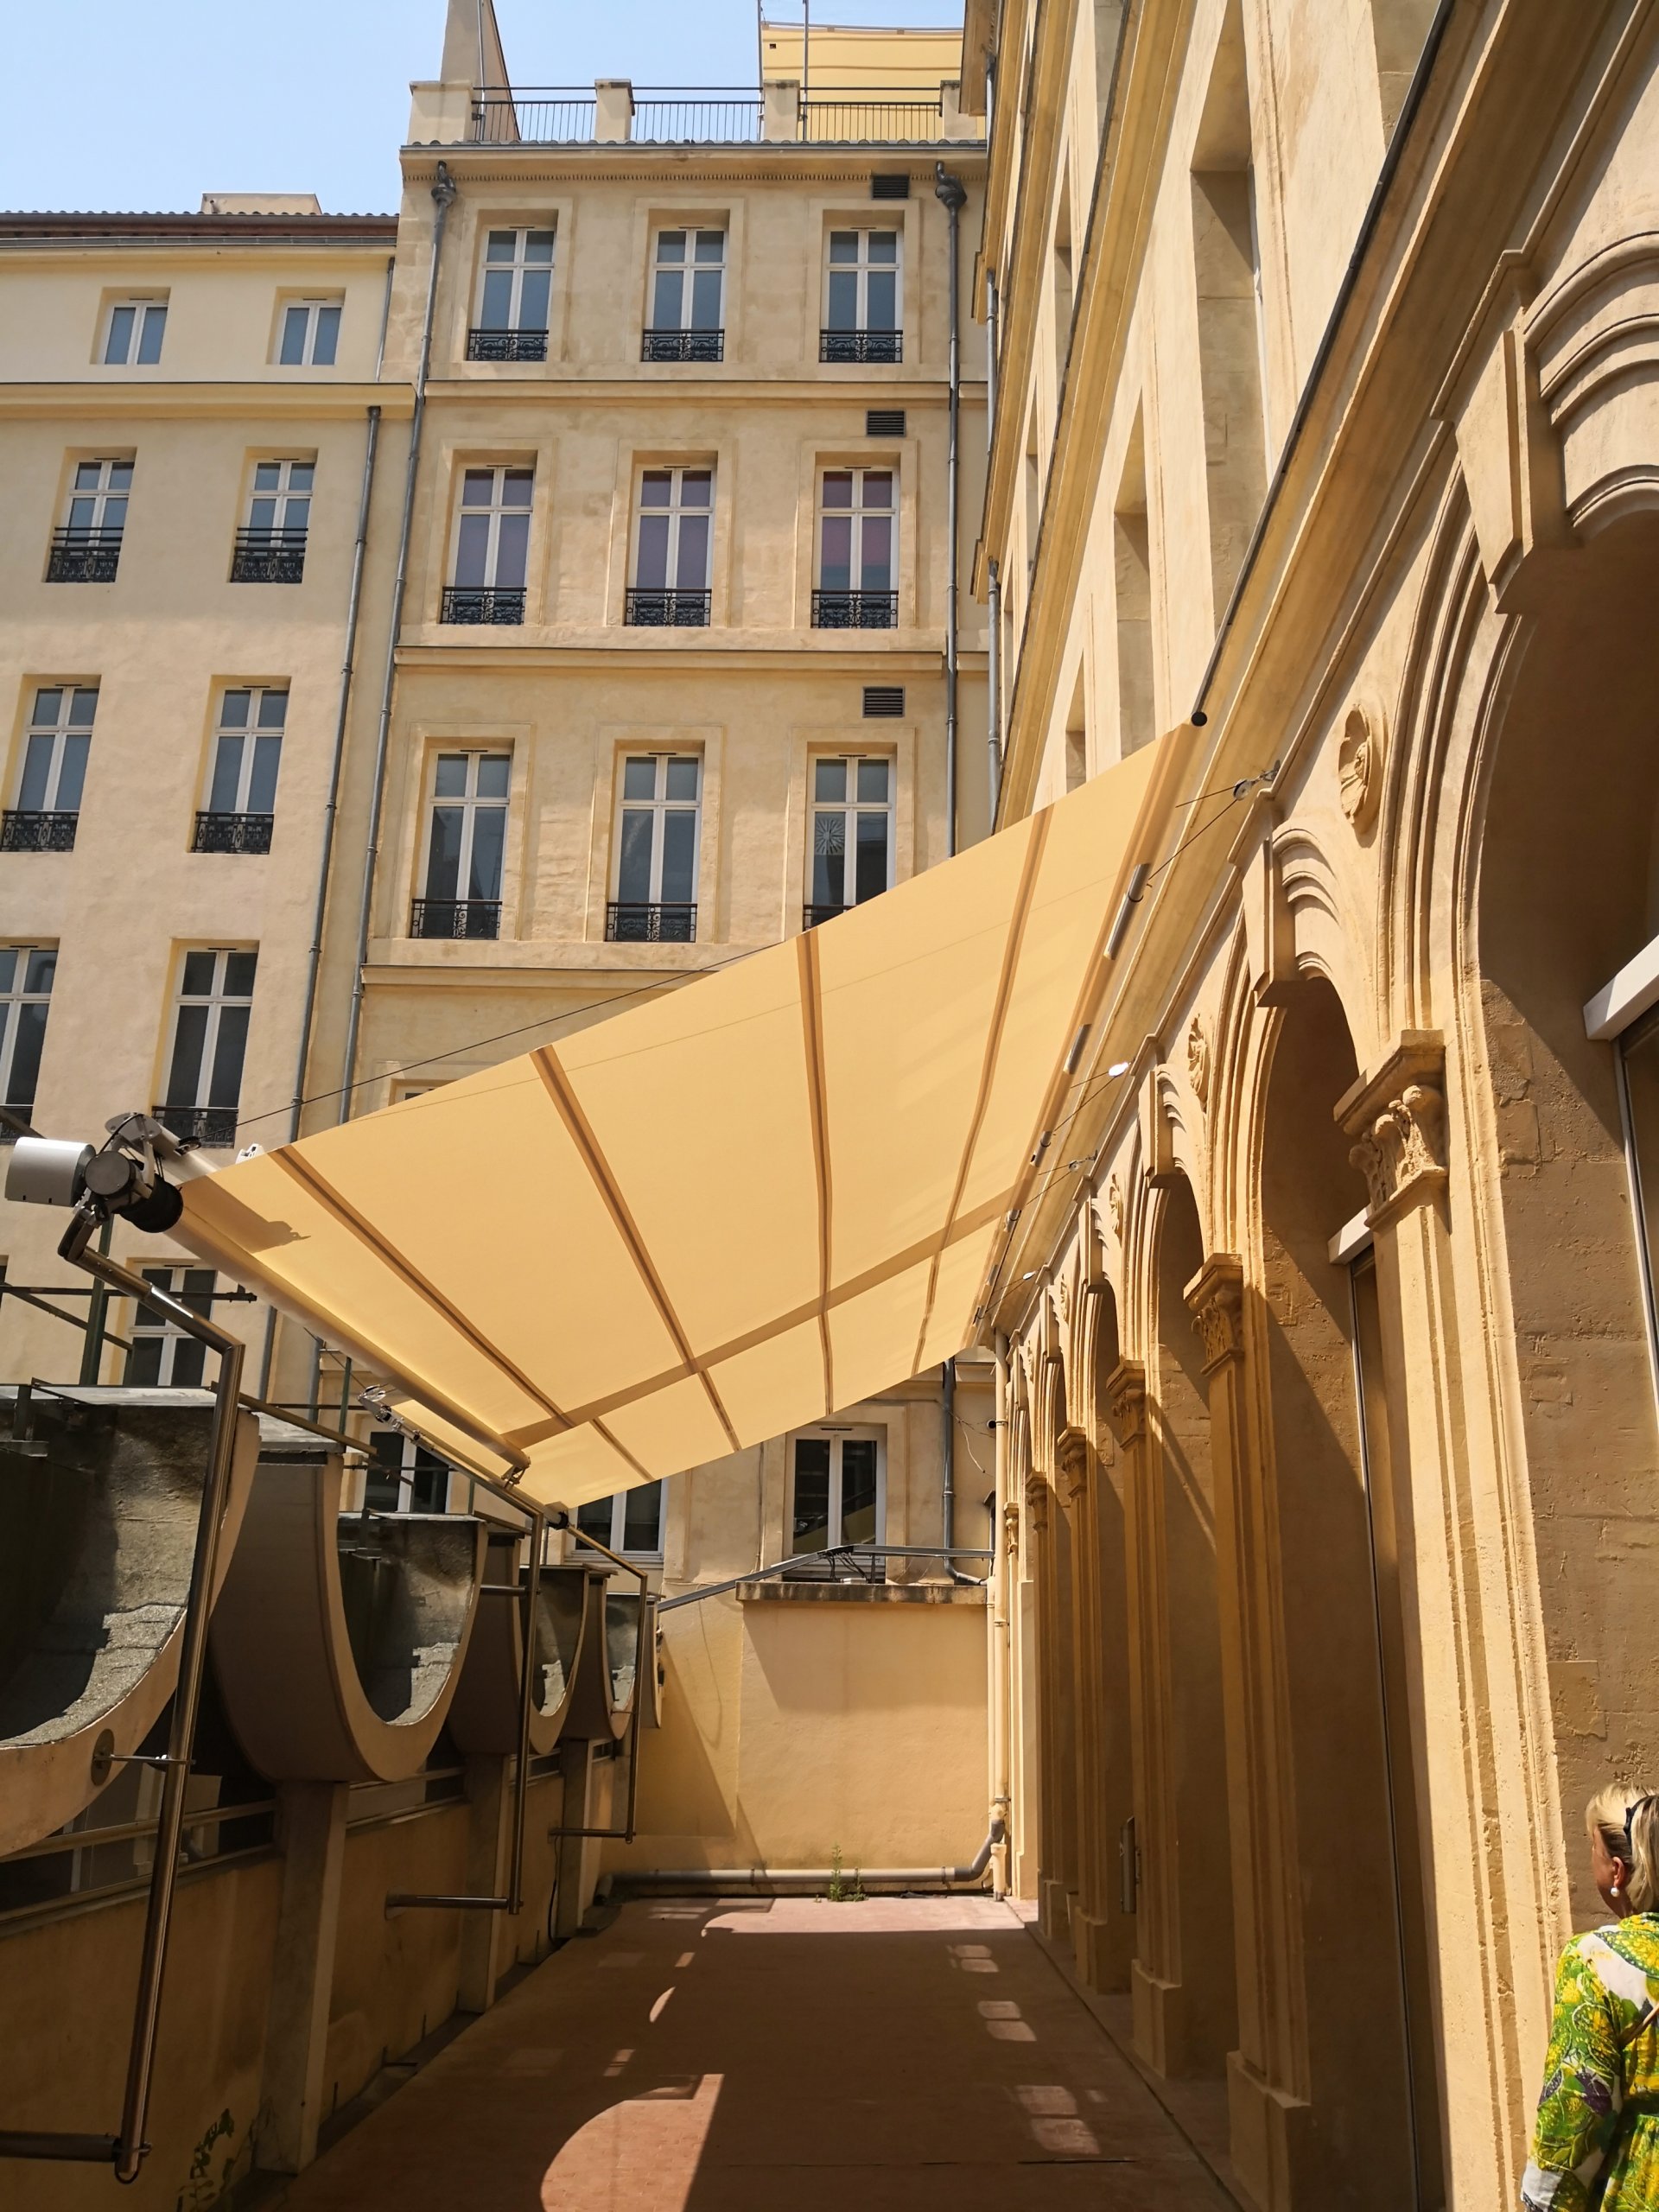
1215,1298
1125,1399
1396,1117
1037,1504
1070,1466
1011,1527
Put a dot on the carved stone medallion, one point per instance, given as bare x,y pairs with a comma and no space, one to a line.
1359,765
1114,1205
1198,1061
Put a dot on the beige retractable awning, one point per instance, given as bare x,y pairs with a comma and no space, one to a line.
728,1211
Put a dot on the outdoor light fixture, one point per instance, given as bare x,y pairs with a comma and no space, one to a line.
123,1176
1118,1067
1131,901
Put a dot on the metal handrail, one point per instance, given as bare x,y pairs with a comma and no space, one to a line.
853,1552
203,1816
127,2149
623,1834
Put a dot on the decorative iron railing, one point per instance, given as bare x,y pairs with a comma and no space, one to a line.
213,1127
669,116
894,121
29,830
82,556
812,916
666,610
683,346
269,556
632,921
854,610
455,917
718,115
232,833
506,344
483,603
879,346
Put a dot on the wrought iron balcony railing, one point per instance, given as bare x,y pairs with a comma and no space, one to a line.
453,917
232,833
483,603
269,556
28,830
812,916
666,610
720,115
683,346
213,1127
862,345
506,344
854,610
82,556
631,922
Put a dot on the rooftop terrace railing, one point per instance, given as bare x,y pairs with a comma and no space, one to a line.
672,115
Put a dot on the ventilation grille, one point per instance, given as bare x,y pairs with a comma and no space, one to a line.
883,701
890,186
884,422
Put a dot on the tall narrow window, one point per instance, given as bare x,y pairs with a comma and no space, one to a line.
671,534
630,1520
862,298
209,1045
271,545
657,850
242,791
403,1476
466,845
851,853
87,549
26,977
163,1355
1132,585
839,1494
56,747
133,334
688,297
515,290
492,547
310,333
857,550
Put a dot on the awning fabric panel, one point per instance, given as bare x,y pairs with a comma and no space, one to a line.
725,1212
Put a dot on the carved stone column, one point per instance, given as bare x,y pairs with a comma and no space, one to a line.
1268,2072
1155,1971
1053,1690
1075,1485
1455,1599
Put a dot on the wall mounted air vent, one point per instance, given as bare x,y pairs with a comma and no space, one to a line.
884,422
890,186
883,701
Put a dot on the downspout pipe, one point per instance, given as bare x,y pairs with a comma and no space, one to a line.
951,191
993,680
443,195
330,823
1002,1616
948,1464
797,1881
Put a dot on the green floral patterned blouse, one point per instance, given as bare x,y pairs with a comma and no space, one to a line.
1596,2147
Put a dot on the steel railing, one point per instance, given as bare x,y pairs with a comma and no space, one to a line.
232,833
24,829
483,603
455,917
269,556
854,610
683,346
82,556
656,609
213,1127
727,115
638,922
862,1560
862,345
506,344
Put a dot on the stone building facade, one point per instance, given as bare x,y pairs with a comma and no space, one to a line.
1324,427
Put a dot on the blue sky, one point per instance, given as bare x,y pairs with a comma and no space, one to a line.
122,106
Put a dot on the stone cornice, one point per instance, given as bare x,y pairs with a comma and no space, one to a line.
288,401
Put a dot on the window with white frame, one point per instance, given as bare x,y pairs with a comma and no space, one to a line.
466,846
310,333
515,291
163,1355
242,784
492,547
56,747
688,296
26,976
657,848
209,1044
133,331
837,1490
97,498
271,544
631,1522
857,550
861,297
851,853
403,1476
673,529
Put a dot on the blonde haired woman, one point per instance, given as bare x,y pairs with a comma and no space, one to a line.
1596,2140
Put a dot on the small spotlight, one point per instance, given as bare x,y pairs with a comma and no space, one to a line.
1118,1067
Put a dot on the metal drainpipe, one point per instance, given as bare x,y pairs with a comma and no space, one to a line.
792,1880
954,194
443,193
1001,1615
993,680
993,338
948,1490
330,819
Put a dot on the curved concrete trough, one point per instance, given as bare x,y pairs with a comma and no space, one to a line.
603,1704
340,1637
98,1507
484,1718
